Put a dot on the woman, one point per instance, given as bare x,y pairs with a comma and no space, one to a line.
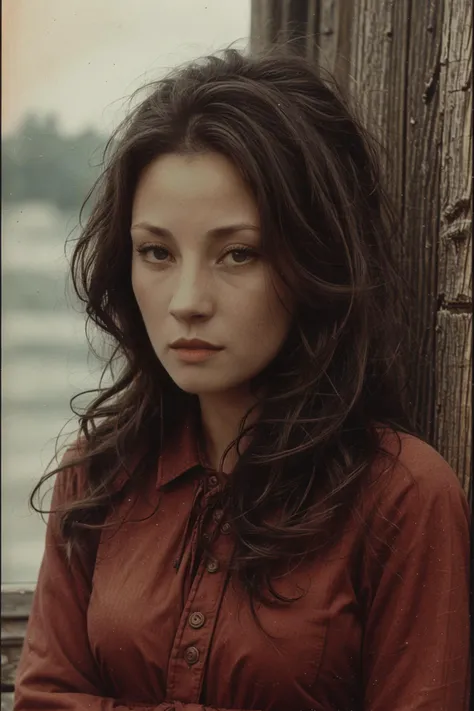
247,521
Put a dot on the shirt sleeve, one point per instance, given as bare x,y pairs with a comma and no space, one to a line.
56,670
416,640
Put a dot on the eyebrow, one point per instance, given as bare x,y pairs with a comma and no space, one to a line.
218,232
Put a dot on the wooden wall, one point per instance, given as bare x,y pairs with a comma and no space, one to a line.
407,67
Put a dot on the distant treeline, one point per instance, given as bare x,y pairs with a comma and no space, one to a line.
41,163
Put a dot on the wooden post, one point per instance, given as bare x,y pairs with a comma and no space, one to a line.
406,67
454,316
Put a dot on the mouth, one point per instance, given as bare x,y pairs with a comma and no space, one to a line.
194,351
194,344
195,355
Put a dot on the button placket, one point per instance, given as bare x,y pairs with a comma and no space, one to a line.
193,639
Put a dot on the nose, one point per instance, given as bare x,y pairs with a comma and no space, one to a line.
191,297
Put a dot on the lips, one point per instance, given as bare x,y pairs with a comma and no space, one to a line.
194,352
194,344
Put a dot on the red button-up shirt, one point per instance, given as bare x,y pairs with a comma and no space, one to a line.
380,628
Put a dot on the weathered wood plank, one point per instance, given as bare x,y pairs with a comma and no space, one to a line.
453,395
407,68
453,431
264,21
282,21
379,55
334,39
423,129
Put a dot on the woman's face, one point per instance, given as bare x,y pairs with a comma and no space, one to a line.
197,273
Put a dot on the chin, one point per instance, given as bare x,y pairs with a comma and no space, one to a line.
199,385
200,389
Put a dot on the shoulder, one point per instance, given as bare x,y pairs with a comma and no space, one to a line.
413,514
73,480
416,462
410,480
70,478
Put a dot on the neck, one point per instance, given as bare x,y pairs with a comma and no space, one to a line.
221,415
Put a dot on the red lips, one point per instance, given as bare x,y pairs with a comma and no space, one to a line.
194,343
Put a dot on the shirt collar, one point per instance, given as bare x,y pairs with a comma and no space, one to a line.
180,452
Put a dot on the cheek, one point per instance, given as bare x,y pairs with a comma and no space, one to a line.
140,298
264,319
146,295
137,283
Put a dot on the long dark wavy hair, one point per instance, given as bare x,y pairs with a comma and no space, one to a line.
328,230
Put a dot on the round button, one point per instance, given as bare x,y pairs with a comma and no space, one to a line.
225,528
196,620
213,481
212,566
218,514
191,655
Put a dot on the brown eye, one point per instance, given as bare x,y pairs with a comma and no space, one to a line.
154,253
242,255
159,253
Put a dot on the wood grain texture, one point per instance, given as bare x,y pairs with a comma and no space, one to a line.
377,84
453,431
283,21
406,67
259,23
420,216
334,39
453,394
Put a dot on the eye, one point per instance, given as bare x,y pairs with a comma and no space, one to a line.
240,255
153,253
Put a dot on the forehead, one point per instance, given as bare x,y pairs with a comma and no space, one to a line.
191,186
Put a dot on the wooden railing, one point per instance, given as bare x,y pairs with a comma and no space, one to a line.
16,605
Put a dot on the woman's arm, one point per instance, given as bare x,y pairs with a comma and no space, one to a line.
57,671
416,643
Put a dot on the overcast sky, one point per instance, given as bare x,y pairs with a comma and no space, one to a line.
82,58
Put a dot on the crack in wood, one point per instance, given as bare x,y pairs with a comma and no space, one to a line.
457,232
457,209
432,84
457,307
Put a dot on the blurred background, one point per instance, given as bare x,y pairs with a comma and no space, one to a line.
68,71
